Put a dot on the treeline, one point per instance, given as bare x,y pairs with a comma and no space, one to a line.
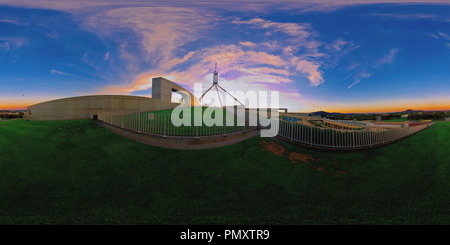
11,115
358,117
435,115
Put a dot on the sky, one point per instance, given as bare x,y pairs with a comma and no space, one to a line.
336,56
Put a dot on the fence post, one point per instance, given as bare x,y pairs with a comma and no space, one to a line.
157,123
164,122
332,137
225,124
292,131
139,123
354,143
153,124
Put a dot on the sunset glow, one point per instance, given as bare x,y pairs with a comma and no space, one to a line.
335,56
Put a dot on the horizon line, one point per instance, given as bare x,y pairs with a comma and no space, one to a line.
24,108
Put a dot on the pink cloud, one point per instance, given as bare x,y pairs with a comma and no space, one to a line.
142,82
265,67
247,44
262,70
227,54
271,45
175,61
311,69
292,29
162,30
258,70
338,44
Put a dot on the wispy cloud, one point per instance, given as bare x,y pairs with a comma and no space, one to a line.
299,36
161,30
247,44
341,45
311,69
235,62
447,37
236,4
360,72
183,41
56,72
11,43
267,65
354,83
239,70
407,16
8,21
61,73
106,57
176,61
388,58
444,38
142,82
359,77
302,32
299,30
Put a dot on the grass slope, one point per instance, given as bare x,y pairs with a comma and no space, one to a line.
75,172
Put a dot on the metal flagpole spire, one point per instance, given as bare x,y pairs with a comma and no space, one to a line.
217,86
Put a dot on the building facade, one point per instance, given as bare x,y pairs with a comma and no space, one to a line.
84,107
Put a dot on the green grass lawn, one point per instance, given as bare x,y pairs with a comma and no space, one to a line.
76,172
163,124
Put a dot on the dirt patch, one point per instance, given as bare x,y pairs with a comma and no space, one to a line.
296,157
318,168
339,173
273,147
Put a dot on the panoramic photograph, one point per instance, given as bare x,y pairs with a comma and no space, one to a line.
249,112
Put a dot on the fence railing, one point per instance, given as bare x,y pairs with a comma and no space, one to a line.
349,122
329,138
163,125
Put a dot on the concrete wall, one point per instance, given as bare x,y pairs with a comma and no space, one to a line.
84,107
162,90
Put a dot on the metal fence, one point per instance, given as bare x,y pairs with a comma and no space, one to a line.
335,139
162,125
349,122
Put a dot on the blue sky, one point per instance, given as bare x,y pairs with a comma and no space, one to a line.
347,56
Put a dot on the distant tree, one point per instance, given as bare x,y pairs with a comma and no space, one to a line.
434,115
